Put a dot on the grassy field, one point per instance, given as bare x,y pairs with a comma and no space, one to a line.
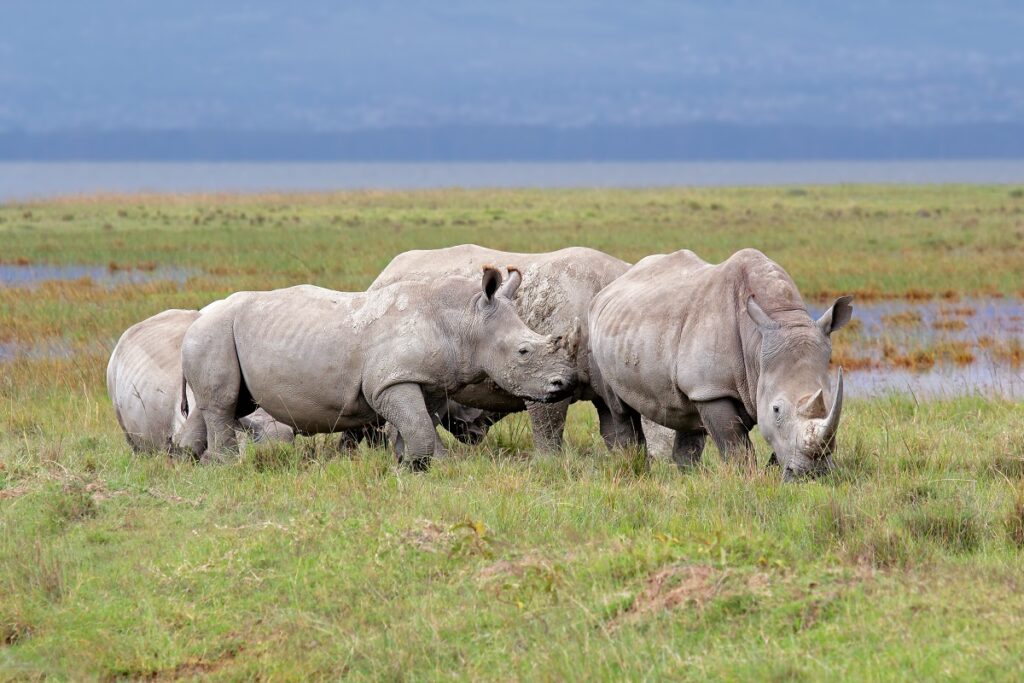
907,563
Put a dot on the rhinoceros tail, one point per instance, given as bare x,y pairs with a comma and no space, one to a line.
184,397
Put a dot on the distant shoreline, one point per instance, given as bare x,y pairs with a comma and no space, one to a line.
503,143
41,180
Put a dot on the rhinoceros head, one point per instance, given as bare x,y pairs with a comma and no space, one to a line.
798,405
525,364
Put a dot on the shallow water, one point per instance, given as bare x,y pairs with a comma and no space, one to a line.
52,349
936,349
17,275
940,382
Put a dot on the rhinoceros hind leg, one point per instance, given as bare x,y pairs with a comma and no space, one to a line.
191,440
222,442
548,421
404,407
728,429
687,449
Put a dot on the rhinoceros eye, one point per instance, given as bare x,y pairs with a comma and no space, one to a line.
523,351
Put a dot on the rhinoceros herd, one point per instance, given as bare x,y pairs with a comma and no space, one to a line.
444,337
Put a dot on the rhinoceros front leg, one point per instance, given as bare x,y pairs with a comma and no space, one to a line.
687,448
621,426
404,407
728,429
548,421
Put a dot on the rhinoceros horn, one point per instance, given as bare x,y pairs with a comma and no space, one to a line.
572,340
813,406
515,278
830,424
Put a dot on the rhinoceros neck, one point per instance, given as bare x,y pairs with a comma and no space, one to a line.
458,356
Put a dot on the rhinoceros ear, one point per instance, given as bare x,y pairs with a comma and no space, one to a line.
758,315
491,282
837,315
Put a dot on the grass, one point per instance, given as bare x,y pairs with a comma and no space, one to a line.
298,563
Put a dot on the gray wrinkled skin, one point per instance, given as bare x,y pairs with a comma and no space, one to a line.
144,383
715,349
554,299
326,361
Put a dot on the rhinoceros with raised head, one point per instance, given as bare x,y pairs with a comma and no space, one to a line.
325,361
144,384
715,349
554,299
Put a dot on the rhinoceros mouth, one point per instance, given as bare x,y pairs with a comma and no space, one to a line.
817,469
556,395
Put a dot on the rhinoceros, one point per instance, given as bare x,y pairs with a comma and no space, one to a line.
715,349
144,384
325,361
554,299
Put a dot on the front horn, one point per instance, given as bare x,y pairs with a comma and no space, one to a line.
831,422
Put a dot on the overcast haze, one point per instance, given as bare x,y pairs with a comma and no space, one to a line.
111,65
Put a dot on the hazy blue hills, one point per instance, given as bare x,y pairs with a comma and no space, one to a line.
575,79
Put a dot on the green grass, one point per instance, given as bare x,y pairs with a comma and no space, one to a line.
298,563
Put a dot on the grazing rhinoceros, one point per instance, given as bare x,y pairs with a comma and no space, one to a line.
325,361
716,349
554,299
144,383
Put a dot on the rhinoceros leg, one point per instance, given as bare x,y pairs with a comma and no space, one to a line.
261,427
375,436
349,440
211,364
548,420
687,448
622,428
468,425
728,429
404,407
192,437
222,439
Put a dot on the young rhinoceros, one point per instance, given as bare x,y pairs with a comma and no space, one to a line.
557,289
144,384
703,348
326,361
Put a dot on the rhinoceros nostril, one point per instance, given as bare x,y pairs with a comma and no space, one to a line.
557,383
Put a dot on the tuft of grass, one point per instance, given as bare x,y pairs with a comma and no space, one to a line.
955,527
70,503
271,457
1015,519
